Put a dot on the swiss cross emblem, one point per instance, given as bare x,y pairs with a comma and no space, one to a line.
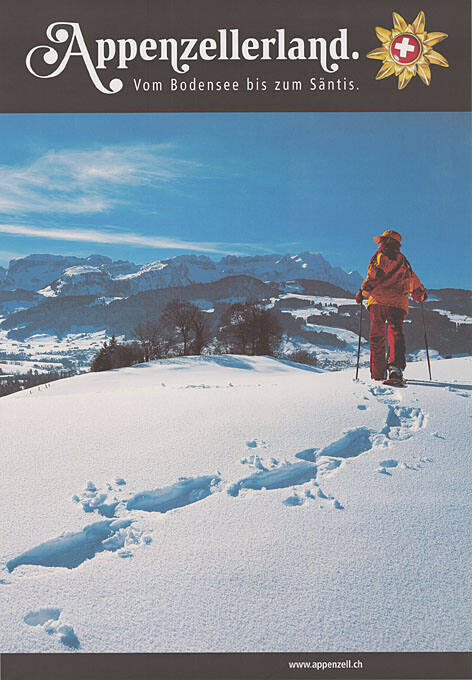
405,49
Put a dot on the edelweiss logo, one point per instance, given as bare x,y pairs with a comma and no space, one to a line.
407,50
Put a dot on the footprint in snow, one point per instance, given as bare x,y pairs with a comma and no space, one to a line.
256,444
71,549
384,464
186,491
403,422
287,474
384,394
381,391
259,463
352,444
293,500
48,619
307,454
296,499
333,501
104,502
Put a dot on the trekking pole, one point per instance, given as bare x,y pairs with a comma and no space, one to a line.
426,340
359,345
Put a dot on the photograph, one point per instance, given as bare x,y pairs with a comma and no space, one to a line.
235,350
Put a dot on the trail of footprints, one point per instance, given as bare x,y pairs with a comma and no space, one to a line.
118,534
122,529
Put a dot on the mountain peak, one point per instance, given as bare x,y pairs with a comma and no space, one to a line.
71,275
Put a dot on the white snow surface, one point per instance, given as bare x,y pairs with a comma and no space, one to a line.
12,367
231,503
455,318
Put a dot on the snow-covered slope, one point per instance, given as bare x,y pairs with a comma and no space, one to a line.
236,504
81,280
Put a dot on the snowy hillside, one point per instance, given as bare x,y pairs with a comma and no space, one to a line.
234,503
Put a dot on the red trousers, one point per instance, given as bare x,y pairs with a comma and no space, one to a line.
379,314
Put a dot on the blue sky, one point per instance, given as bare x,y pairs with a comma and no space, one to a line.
147,186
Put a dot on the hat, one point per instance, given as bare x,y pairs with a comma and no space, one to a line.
389,233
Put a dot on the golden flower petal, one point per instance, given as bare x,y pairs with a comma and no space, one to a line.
419,23
404,78
424,72
435,58
434,38
398,69
382,34
396,32
385,71
379,53
399,22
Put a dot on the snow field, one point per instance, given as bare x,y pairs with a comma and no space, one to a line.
236,504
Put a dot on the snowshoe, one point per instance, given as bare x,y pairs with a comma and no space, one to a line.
395,377
394,382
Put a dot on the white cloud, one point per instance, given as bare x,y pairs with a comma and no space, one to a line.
115,237
72,181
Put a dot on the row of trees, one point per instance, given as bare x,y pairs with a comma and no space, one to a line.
182,329
25,381
116,355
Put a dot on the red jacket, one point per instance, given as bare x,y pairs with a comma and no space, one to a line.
390,279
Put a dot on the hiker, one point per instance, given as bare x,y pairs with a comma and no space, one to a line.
390,279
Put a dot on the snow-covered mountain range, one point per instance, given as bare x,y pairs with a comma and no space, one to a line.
35,272
58,310
55,275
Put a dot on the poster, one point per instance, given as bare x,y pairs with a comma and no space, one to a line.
203,474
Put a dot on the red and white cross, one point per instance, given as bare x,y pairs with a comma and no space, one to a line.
405,49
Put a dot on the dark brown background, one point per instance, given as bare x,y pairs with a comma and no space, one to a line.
23,24
375,666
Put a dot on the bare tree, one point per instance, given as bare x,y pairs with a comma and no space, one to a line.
234,330
178,318
250,328
200,330
152,341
